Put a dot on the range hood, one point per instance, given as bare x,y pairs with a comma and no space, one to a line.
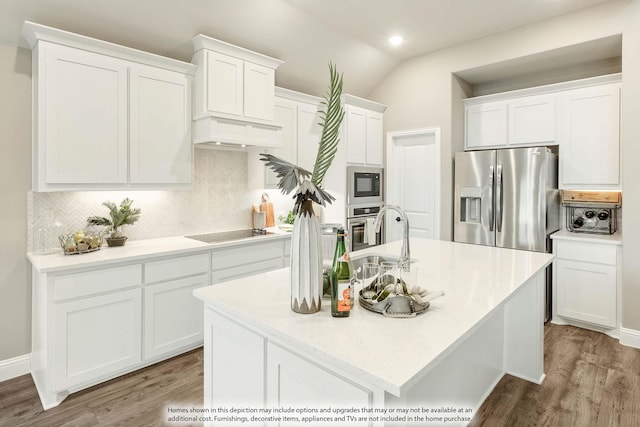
218,131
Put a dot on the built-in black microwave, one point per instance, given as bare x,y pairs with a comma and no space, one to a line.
364,185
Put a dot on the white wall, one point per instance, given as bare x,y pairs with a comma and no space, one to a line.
630,169
15,181
422,92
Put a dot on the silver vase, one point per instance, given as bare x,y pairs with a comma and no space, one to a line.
306,261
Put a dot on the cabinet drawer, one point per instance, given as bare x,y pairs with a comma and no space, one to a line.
236,272
172,268
587,252
243,255
96,281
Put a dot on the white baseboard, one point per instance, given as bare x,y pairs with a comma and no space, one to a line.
14,367
630,337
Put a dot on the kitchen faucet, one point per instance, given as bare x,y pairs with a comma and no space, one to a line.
405,254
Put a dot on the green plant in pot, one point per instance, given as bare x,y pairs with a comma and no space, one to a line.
118,216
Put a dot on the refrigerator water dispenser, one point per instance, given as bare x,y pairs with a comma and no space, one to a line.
470,205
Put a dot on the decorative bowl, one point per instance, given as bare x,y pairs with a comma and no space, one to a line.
80,242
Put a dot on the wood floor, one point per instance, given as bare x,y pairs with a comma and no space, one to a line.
133,400
591,380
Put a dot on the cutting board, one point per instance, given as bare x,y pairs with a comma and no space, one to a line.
270,219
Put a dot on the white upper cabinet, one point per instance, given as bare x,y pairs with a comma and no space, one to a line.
258,92
107,116
363,131
582,117
234,95
590,138
82,120
297,113
532,120
309,134
525,120
486,125
223,85
160,147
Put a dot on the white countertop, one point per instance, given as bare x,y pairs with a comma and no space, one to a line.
611,239
136,250
475,279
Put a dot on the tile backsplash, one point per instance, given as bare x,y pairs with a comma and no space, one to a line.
219,200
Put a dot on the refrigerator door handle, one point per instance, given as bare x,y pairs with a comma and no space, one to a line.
492,218
499,198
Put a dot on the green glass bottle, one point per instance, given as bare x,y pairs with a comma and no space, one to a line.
341,279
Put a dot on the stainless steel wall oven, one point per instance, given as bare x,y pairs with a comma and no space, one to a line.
359,221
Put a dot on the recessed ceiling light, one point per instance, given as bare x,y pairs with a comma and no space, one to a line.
396,40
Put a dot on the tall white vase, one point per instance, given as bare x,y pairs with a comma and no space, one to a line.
306,261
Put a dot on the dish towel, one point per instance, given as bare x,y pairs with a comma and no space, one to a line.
369,232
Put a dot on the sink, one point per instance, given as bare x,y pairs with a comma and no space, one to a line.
359,261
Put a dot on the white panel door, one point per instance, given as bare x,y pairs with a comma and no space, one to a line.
375,139
225,84
309,134
234,361
285,115
294,381
586,291
173,316
356,134
86,117
96,336
532,120
590,132
160,150
413,183
486,125
259,87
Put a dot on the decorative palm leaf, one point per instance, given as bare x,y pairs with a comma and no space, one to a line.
331,118
291,176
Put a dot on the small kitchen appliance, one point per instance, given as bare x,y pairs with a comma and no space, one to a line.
591,211
364,185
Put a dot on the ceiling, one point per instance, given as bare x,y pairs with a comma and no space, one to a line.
305,34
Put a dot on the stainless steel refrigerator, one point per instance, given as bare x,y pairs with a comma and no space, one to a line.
507,198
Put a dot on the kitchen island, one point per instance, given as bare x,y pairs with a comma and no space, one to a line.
259,355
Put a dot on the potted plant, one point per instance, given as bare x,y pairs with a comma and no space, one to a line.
119,216
306,250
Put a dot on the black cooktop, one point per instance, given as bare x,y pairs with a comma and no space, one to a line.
228,236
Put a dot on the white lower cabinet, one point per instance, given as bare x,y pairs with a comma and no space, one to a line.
96,336
172,316
93,324
586,282
233,363
244,368
295,381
